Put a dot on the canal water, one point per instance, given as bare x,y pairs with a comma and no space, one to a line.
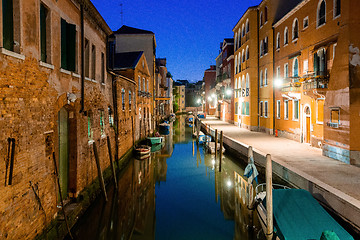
177,193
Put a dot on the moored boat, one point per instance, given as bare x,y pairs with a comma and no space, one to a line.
156,140
142,151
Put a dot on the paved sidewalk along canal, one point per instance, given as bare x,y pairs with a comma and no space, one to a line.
331,182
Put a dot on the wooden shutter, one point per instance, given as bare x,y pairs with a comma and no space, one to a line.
63,45
43,13
8,25
71,46
316,64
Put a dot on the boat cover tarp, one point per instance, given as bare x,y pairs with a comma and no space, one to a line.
297,215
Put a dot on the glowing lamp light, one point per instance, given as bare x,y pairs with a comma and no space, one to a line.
278,82
213,95
199,100
213,162
209,98
228,92
228,183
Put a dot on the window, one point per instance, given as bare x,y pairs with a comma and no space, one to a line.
321,13
102,124
306,66
320,62
305,22
147,85
90,130
296,110
139,83
247,26
286,36
243,30
111,117
87,58
45,41
236,67
68,46
123,99
129,100
295,29
278,109
265,15
239,63
286,70
247,108
261,109
235,41
261,48
239,38
278,40
337,8
265,77
243,55
334,117
102,68
278,71
320,110
247,85
93,61
286,109
266,109
143,87
261,19
243,108
247,53
135,103
295,68
266,45
261,78
11,25
236,108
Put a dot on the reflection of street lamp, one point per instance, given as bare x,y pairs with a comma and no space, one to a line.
228,92
228,183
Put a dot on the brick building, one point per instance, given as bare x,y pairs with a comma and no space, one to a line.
56,97
210,80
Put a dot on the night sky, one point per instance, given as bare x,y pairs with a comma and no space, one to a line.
188,32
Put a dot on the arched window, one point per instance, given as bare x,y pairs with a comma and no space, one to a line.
247,85
265,14
295,29
261,19
286,36
295,68
243,84
239,38
247,26
243,55
261,79
247,53
236,68
243,30
139,84
143,87
261,48
337,8
278,40
235,41
239,63
321,13
265,78
236,83
239,83
123,99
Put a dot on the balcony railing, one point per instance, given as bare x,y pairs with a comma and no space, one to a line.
144,94
319,82
222,77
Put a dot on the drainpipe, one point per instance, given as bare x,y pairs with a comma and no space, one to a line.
82,57
116,117
258,70
273,85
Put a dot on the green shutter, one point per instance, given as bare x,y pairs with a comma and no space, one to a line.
8,25
71,46
63,45
247,108
43,13
316,64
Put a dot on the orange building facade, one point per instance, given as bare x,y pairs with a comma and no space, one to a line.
308,74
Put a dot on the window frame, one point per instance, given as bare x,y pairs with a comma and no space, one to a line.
295,32
318,25
278,42
317,111
266,109
335,8
286,36
305,19
297,113
286,109
278,109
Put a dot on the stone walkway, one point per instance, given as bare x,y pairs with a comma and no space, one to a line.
301,158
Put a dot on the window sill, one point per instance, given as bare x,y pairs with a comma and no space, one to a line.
46,65
103,136
103,84
12,54
295,40
278,49
90,80
320,123
295,120
65,71
286,44
90,142
317,27
335,17
76,75
304,28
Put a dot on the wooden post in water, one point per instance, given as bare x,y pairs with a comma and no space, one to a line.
132,130
193,125
197,130
250,193
269,198
111,161
221,147
100,176
216,140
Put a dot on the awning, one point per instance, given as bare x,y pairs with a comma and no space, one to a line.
162,98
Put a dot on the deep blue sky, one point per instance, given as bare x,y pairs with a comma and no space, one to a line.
187,32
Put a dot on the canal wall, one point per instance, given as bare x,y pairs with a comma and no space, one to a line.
57,227
334,200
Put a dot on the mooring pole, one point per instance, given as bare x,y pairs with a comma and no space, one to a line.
269,198
132,130
193,125
216,140
60,195
100,176
221,147
197,130
250,193
111,160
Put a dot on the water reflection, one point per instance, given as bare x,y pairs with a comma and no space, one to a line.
177,193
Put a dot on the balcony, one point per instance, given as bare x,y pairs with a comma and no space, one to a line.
314,86
144,94
222,77
292,86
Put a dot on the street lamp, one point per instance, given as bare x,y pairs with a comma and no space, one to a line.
278,82
228,92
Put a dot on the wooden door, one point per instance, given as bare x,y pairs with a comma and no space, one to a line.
307,129
63,151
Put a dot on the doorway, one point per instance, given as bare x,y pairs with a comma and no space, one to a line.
63,133
307,122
